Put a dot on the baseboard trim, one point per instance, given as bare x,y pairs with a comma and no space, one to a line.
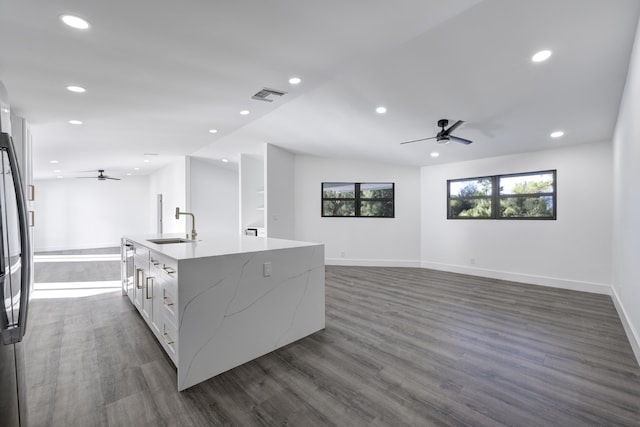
372,262
574,285
632,334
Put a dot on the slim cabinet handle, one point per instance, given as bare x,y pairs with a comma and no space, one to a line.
32,219
31,193
139,278
148,295
167,338
165,299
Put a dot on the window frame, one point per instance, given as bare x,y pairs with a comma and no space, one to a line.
358,200
496,197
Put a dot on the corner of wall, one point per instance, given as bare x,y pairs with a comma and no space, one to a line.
632,333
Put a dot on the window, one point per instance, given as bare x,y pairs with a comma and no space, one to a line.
470,198
530,195
354,199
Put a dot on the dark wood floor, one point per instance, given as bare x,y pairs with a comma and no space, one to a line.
402,346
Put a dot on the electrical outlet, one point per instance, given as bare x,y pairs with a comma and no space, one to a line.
472,261
342,254
266,269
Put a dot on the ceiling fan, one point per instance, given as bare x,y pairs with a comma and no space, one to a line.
444,136
101,176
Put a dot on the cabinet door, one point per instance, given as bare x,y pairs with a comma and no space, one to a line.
138,297
147,296
156,303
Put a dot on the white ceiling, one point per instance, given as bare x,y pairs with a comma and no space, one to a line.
160,74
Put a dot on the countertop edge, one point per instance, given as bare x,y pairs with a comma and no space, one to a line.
214,244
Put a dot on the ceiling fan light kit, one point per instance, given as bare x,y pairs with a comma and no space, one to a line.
101,176
444,136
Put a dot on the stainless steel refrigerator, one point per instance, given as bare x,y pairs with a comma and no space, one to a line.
15,277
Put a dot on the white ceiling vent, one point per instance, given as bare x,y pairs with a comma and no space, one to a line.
264,94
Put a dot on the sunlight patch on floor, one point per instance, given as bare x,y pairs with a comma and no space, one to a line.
57,290
76,258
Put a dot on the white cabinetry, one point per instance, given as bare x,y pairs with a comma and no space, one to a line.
150,280
141,269
164,318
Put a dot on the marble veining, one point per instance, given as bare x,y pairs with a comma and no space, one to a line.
241,315
295,311
258,299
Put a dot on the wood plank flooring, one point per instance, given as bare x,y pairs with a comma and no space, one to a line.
402,346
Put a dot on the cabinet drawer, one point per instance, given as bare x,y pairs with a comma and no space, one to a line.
169,341
141,261
164,266
141,251
170,305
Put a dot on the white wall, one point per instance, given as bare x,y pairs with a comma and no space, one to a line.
363,241
626,204
87,213
213,196
572,252
171,182
279,187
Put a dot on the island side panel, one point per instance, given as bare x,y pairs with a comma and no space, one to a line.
230,313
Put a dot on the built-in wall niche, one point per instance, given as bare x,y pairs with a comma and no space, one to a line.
252,193
266,193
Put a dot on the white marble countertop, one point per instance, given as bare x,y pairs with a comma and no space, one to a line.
213,244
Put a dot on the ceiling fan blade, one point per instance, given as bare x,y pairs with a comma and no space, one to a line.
418,140
460,140
108,177
453,127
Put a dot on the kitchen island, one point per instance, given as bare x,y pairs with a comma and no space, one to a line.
223,299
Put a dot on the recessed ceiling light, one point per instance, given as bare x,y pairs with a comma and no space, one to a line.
75,22
556,134
435,154
129,174
543,55
76,89
53,161
75,122
136,169
146,160
225,160
295,80
57,171
213,130
244,112
381,110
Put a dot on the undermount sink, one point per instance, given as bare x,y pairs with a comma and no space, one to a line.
169,240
